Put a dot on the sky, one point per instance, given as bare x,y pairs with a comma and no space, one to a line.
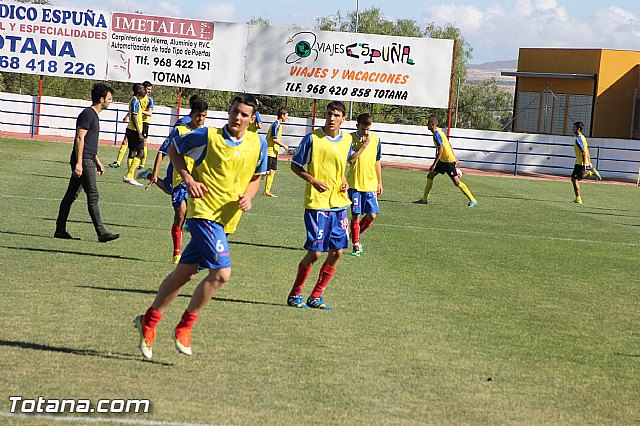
494,29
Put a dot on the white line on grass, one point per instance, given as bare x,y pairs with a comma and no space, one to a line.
22,197
101,420
421,228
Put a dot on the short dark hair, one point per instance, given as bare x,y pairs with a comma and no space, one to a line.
247,99
336,105
146,84
364,119
198,106
433,119
579,125
282,111
98,91
136,88
193,98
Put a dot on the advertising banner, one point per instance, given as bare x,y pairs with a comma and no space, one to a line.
166,51
52,40
348,66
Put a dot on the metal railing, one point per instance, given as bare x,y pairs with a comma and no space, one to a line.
518,158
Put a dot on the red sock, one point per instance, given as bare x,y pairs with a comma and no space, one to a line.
152,317
176,236
355,231
301,277
364,224
326,272
187,321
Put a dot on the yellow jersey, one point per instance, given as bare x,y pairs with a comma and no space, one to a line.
362,175
275,132
146,102
226,167
440,140
135,112
327,162
580,146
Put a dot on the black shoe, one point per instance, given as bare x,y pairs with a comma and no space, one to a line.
64,235
108,236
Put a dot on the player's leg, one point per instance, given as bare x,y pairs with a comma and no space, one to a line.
90,187
304,269
167,293
576,177
208,244
371,209
465,190
73,190
121,152
427,188
145,134
357,199
338,240
272,167
179,217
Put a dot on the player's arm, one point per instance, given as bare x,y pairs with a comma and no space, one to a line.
282,144
379,175
356,154
148,112
196,189
156,167
245,199
300,171
99,166
80,134
438,156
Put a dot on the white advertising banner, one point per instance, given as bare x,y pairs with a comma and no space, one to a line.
166,51
52,40
348,66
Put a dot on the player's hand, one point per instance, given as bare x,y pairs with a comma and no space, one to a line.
245,202
380,190
153,179
77,171
365,140
457,162
345,186
196,189
100,168
320,186
431,167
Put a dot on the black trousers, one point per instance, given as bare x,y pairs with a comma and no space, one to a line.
86,182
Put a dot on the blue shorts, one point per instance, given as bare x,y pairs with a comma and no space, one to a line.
363,202
179,195
326,230
168,183
208,246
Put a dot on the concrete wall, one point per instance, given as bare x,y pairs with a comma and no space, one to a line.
618,159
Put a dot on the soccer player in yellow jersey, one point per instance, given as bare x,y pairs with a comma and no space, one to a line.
583,161
445,162
228,164
274,141
172,184
146,106
364,177
324,152
134,134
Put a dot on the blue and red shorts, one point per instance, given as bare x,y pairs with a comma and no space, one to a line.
326,229
208,247
363,202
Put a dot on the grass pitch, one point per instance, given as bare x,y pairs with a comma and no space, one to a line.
523,310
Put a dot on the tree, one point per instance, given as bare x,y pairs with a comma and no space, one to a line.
259,21
463,49
483,106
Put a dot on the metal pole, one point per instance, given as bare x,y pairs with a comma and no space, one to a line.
452,88
351,103
37,117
